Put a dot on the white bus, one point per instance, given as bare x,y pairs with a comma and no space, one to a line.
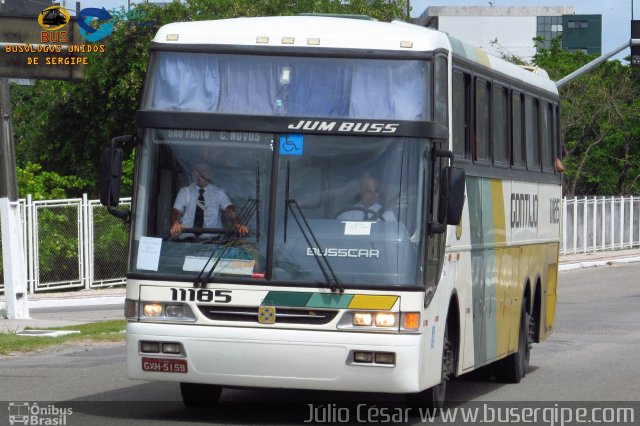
440,276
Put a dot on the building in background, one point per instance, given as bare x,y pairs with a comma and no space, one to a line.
582,32
511,30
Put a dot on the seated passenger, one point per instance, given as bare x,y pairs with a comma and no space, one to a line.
368,208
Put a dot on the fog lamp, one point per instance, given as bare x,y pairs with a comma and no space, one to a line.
365,357
150,347
385,358
171,348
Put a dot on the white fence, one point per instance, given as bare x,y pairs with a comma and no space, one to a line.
73,243
76,243
600,224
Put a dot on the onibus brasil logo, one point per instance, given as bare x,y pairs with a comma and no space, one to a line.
27,413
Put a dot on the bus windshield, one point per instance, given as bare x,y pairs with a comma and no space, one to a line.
318,208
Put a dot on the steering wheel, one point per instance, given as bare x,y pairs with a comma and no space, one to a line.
368,214
202,231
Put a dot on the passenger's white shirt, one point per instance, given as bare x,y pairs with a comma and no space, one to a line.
215,200
360,214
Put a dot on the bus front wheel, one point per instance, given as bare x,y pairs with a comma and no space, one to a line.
200,395
434,397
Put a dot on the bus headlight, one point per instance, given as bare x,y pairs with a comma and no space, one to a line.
385,319
407,322
362,319
374,319
155,311
152,309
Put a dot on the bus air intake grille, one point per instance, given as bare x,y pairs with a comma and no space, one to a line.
283,315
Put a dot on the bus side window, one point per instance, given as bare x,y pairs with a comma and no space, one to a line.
546,137
460,106
517,153
500,124
531,131
441,94
481,114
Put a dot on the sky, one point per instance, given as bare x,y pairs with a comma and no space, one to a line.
616,14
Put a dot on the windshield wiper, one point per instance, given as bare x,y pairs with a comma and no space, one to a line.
228,240
306,231
231,237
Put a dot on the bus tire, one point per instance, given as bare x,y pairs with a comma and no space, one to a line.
434,397
200,395
514,367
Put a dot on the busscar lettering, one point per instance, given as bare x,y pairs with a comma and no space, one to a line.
524,211
343,252
344,126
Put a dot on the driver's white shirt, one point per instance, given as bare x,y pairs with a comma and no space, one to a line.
215,200
360,214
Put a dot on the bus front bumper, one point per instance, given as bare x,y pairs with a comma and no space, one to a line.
276,358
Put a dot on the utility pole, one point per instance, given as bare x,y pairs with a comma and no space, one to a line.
13,260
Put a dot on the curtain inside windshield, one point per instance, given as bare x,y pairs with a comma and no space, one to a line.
288,86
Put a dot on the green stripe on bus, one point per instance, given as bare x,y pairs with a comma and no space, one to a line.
286,298
328,300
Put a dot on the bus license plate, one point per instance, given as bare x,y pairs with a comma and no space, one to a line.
162,365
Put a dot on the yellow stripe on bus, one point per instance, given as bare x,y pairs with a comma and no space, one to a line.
365,301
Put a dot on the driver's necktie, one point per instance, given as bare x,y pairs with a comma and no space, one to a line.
198,220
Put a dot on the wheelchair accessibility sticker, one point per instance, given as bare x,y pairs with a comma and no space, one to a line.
291,144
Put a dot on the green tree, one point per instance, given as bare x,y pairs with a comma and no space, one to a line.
44,185
600,123
64,125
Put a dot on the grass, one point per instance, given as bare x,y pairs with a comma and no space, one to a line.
107,331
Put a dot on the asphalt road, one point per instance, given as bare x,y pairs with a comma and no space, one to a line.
592,356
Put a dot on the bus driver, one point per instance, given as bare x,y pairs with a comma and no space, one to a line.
199,204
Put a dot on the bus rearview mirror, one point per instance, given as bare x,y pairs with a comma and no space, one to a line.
455,178
451,200
110,176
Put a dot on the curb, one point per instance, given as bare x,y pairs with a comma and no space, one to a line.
67,303
572,266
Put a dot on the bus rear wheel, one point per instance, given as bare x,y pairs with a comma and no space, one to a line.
200,395
513,368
